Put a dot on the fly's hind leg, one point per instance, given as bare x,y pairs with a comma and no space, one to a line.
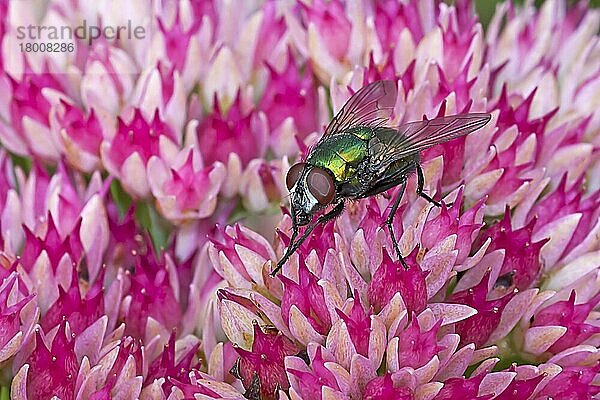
390,220
420,183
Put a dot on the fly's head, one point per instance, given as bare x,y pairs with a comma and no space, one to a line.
311,188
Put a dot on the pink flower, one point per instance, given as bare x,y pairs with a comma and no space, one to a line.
447,223
478,328
307,297
462,388
331,24
176,39
321,240
161,88
416,347
12,312
265,362
234,131
358,326
151,297
391,278
52,371
81,136
135,142
383,388
167,368
522,256
143,206
108,78
52,244
261,184
520,388
572,317
288,94
70,306
310,383
186,191
562,204
28,130
271,35
391,18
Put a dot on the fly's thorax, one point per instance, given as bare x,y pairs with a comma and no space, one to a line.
361,132
341,153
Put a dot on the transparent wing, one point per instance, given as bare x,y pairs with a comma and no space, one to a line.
370,106
415,137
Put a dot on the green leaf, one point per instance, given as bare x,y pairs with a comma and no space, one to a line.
23,162
158,227
120,197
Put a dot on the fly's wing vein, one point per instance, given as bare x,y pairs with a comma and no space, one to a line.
414,137
371,106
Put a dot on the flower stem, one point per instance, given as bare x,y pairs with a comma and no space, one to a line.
4,393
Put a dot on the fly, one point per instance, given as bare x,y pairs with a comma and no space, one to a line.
358,156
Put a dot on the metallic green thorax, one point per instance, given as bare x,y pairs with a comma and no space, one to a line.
342,153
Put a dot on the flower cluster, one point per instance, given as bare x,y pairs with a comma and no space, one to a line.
143,205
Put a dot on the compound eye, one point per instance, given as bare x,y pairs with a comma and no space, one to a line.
294,174
321,185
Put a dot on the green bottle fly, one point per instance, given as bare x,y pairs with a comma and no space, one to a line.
358,156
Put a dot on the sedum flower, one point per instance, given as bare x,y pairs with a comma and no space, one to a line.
26,126
391,278
565,323
161,88
186,191
166,368
101,88
135,142
262,369
303,304
383,388
17,320
478,328
238,130
50,371
482,304
137,244
81,136
290,104
261,184
331,23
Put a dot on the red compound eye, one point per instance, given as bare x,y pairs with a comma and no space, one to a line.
321,185
294,174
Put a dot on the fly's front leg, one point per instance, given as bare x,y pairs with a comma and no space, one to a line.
390,220
420,183
335,212
288,251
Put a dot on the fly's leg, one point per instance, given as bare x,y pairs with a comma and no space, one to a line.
335,212
289,250
420,183
390,220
